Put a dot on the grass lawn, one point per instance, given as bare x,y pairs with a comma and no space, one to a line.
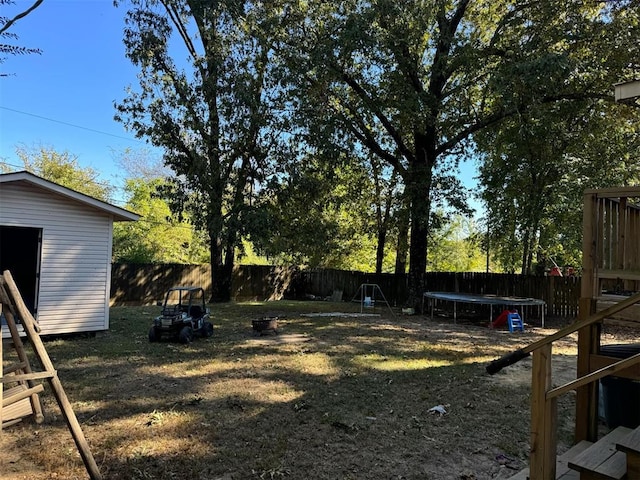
329,397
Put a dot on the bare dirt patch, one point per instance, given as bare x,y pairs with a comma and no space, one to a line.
329,397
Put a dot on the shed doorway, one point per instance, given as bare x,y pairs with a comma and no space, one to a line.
20,249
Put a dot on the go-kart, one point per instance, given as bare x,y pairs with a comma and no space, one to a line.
184,316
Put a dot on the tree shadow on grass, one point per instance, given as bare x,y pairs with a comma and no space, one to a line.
326,398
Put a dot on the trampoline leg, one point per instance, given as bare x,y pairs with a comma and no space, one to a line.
455,318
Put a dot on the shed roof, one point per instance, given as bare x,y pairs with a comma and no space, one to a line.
24,177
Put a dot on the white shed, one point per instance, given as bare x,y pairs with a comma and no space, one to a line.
57,244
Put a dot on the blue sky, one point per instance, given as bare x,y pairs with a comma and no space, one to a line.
81,72
64,97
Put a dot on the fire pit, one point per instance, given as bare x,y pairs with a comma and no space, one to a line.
265,324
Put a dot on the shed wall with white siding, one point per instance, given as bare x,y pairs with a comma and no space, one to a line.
75,253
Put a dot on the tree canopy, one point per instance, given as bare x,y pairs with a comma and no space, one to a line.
536,164
64,169
413,82
208,113
279,104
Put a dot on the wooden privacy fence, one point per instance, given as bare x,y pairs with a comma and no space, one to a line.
135,284
147,283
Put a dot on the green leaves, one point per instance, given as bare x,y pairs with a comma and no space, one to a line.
158,237
207,113
63,168
281,105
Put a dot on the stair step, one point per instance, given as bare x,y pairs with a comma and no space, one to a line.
601,461
569,475
630,443
563,472
562,469
631,446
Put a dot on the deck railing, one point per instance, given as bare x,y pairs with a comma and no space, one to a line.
542,460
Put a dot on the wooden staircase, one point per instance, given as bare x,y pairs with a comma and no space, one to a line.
630,445
603,460
616,456
610,246
543,464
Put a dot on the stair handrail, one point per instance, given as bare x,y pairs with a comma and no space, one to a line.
542,457
593,376
513,357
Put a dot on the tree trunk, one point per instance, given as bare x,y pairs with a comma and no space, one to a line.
220,270
382,238
525,252
220,274
419,191
417,264
401,250
383,228
403,239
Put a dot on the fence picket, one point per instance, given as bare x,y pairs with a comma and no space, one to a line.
147,283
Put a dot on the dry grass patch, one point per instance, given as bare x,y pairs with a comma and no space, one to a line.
327,398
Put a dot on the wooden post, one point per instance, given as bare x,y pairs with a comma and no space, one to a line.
54,381
587,395
542,460
622,231
1,363
588,337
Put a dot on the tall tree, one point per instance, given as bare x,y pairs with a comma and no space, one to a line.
520,181
413,81
538,162
208,114
387,202
536,167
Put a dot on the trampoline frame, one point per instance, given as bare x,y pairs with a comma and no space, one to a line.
490,300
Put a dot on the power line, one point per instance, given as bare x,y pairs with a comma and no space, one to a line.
71,125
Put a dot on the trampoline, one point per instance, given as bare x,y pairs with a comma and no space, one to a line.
490,300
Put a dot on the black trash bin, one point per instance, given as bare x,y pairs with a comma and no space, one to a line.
620,396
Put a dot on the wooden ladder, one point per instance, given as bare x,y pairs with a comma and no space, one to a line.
22,400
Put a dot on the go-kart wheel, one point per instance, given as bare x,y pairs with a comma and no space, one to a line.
153,335
186,335
207,329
